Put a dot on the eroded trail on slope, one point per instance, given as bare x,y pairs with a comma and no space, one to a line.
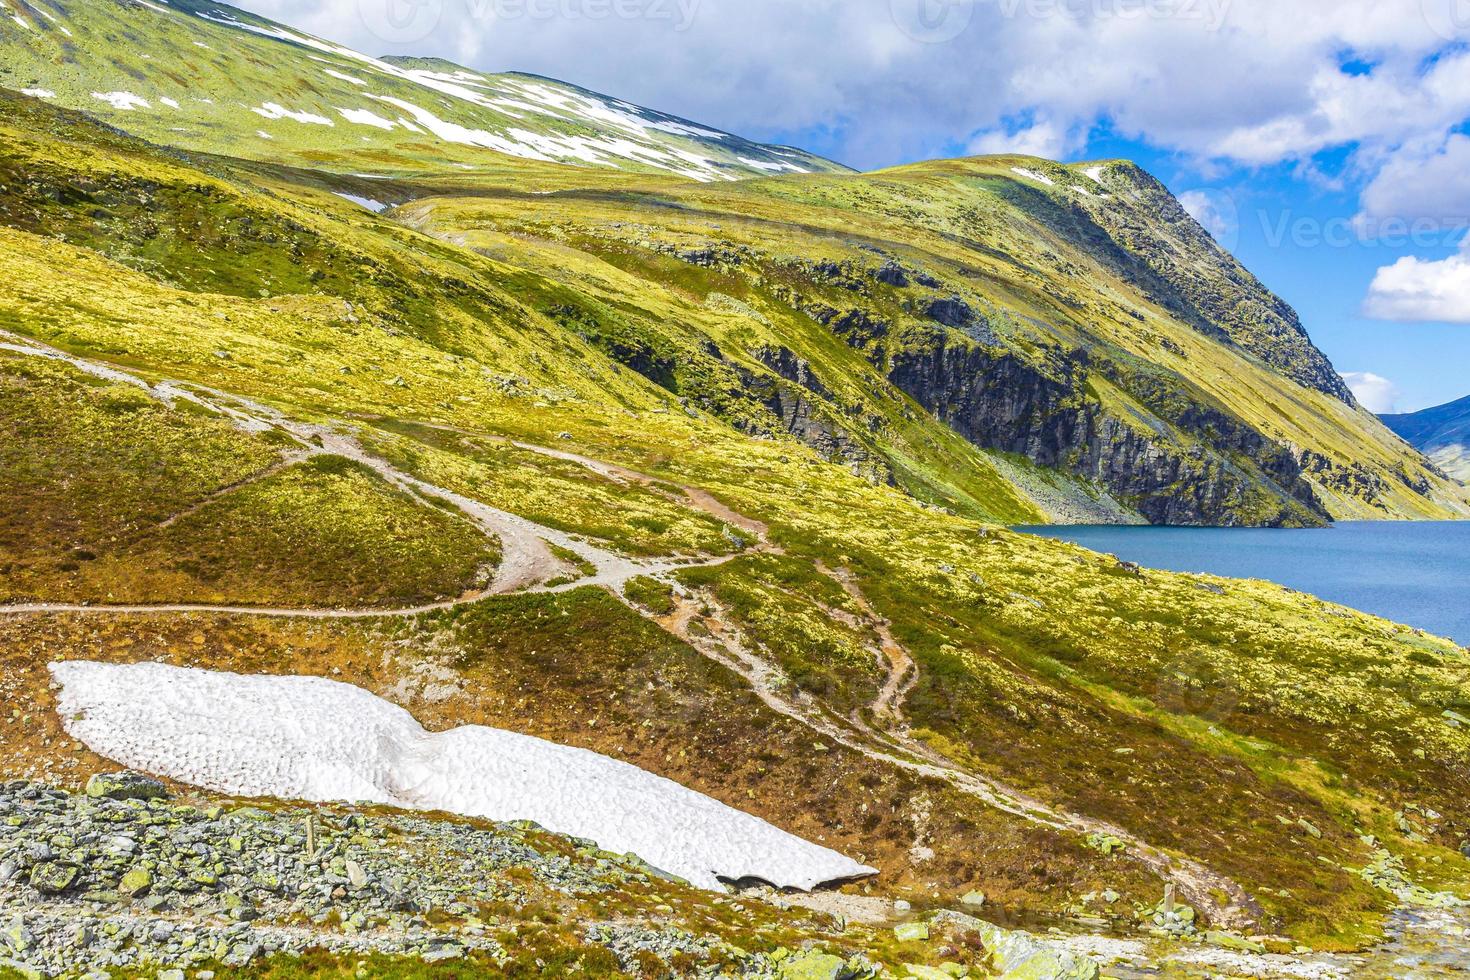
902,672
527,561
723,642
528,565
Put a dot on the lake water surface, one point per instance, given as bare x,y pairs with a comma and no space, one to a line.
1416,573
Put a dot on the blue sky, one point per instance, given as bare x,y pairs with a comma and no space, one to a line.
1323,141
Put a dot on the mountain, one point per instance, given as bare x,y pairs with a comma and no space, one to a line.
211,77
1005,337
1442,434
697,482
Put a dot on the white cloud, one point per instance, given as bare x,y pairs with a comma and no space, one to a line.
1261,86
1416,290
1041,139
1376,393
1421,182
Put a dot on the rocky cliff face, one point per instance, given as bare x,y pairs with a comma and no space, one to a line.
1200,467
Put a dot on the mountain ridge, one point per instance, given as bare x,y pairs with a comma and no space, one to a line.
216,78
1442,433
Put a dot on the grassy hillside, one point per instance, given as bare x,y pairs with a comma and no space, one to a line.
1022,310
743,424
1006,338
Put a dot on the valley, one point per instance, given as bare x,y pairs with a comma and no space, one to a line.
556,418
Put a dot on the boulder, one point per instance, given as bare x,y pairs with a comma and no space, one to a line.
920,972
125,786
1227,941
135,882
1050,964
812,965
16,937
54,878
974,899
909,932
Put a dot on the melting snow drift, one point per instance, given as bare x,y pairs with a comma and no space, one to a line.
312,739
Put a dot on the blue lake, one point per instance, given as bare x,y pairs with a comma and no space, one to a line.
1413,573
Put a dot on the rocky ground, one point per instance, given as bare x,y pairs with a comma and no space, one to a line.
125,880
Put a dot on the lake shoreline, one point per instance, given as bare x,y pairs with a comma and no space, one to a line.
1411,572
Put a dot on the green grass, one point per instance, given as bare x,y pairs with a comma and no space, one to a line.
113,497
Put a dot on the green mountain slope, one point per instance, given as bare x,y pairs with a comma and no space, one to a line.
1030,314
672,452
212,77
1007,338
1441,433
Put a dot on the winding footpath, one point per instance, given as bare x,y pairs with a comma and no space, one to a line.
529,565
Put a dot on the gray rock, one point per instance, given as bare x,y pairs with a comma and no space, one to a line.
125,786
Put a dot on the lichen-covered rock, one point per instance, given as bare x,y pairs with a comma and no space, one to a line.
1048,964
135,882
974,899
812,965
1227,941
909,932
919,971
125,786
53,878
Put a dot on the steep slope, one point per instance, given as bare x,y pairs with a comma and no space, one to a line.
208,76
1047,323
1441,433
684,585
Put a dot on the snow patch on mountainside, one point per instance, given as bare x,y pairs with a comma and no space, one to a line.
366,117
1040,178
343,76
376,207
307,738
122,100
626,131
38,93
272,110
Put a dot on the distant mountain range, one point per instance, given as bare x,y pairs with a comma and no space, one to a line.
1441,433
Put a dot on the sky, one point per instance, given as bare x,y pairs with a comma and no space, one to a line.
1325,142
